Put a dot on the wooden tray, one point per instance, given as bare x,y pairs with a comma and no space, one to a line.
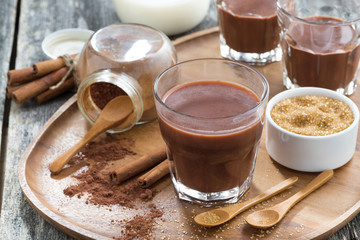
317,216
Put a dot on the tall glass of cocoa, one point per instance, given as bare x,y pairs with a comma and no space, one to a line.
211,116
320,43
249,31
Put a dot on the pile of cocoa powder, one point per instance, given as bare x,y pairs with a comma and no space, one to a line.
95,183
140,227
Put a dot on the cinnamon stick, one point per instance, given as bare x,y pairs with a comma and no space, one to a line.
51,93
11,89
145,162
48,66
40,69
154,174
38,86
18,76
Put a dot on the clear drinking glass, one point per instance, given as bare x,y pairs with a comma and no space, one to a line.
211,114
249,31
320,43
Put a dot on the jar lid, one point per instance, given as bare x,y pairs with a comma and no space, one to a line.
66,41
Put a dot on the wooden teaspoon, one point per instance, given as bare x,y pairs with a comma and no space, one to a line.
114,113
270,216
219,216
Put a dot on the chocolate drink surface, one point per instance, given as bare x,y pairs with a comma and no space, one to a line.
320,55
249,25
211,160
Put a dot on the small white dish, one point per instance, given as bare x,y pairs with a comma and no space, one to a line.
169,16
66,41
310,153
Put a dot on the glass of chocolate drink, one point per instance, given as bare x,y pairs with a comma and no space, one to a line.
249,31
320,43
211,114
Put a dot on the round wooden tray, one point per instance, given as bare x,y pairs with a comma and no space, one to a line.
317,216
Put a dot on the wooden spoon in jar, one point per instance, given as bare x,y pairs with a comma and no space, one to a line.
114,113
270,216
221,215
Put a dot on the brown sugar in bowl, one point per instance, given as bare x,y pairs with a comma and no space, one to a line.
312,150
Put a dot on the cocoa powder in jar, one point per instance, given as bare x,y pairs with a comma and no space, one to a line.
139,51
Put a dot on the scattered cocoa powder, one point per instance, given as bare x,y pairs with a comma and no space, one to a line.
95,183
95,180
106,150
141,227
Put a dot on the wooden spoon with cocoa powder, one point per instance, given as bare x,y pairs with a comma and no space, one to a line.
114,113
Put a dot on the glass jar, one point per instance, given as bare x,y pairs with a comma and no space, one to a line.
122,59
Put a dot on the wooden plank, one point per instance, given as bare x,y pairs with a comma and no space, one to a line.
7,29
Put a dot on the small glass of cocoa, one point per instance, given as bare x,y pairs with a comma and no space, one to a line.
211,115
320,43
249,31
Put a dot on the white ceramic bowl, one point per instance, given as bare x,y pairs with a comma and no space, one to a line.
169,16
66,41
310,153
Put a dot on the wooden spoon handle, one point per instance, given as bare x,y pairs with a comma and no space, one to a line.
240,207
63,159
317,182
98,128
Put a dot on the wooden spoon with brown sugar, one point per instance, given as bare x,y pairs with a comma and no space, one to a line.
270,216
221,215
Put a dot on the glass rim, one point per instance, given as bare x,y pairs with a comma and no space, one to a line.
344,22
262,100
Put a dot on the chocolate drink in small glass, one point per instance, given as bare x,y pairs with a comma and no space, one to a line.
211,160
249,30
321,55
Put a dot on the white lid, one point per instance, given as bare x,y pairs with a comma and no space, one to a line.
67,41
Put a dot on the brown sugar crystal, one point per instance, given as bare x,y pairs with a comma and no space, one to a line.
312,115
211,217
